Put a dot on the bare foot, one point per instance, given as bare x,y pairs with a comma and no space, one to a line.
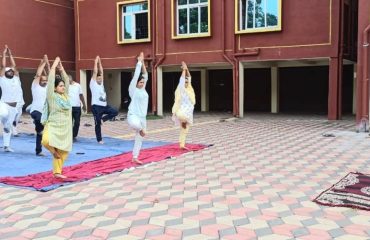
135,160
101,142
183,125
184,148
56,154
58,175
142,133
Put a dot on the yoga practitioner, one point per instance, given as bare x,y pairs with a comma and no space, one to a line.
137,110
76,97
99,100
12,95
183,108
38,90
57,118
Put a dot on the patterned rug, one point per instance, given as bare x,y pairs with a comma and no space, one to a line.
351,191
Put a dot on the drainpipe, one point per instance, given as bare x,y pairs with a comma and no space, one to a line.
236,80
340,67
154,80
232,62
365,73
155,66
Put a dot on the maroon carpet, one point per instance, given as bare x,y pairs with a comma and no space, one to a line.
45,181
352,191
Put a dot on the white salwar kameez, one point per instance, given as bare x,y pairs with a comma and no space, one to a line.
138,108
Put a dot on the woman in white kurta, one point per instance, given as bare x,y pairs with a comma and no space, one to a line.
138,107
183,108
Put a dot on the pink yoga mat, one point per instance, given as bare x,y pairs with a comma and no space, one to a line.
45,181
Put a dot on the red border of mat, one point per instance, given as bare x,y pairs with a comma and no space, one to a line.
45,181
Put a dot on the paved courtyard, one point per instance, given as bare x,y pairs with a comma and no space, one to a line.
257,181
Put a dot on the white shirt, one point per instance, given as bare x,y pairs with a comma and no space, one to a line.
98,95
139,97
11,90
74,92
38,97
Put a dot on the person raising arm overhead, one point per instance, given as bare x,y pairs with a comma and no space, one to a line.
100,109
183,107
138,108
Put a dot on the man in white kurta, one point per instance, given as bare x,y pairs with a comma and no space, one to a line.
100,109
38,89
76,97
11,95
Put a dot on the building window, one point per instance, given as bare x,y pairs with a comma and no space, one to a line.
192,18
133,21
258,15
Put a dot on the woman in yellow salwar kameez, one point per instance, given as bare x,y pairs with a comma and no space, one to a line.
57,118
183,108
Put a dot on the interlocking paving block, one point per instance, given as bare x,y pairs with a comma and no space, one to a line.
26,223
254,213
127,213
95,221
309,222
5,225
350,236
189,213
105,222
48,237
83,233
225,232
205,205
9,235
300,232
285,214
261,173
154,232
337,232
46,233
118,233
166,220
72,223
275,237
156,212
139,222
260,232
199,237
37,224
190,231
240,221
187,227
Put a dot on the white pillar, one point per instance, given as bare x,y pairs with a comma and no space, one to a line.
274,90
354,89
241,89
112,84
159,91
83,83
204,90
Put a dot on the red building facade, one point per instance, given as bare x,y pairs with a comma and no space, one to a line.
245,55
34,28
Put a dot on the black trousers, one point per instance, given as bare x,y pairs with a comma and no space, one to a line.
36,116
76,117
102,113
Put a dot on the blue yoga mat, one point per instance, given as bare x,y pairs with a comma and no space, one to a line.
23,160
